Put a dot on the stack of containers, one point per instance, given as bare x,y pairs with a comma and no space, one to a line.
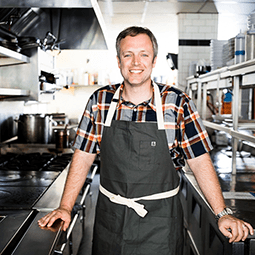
250,38
229,52
216,53
251,21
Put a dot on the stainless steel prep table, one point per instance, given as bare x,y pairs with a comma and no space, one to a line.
202,234
54,241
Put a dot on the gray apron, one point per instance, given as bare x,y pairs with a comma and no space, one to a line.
138,208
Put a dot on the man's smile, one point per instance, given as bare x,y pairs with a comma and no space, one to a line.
135,71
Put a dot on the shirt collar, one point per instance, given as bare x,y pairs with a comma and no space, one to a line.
150,102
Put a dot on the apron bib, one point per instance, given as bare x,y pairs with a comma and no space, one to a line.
138,211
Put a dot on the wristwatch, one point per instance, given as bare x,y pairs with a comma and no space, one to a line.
226,211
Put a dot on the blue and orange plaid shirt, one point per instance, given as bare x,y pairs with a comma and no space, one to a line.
186,135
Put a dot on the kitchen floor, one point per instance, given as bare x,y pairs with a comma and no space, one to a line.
221,157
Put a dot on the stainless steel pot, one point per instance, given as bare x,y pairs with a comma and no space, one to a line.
35,128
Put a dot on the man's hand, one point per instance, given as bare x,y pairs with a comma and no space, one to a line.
60,213
235,229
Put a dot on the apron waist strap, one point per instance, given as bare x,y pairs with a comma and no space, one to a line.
131,202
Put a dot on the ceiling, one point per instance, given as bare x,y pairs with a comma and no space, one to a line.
115,7
232,13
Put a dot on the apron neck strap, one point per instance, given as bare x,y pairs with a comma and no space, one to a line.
159,110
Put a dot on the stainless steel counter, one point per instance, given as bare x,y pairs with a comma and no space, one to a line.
202,233
51,199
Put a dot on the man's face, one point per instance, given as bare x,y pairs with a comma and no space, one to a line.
136,59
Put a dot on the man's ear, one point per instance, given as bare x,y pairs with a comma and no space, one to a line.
154,61
118,60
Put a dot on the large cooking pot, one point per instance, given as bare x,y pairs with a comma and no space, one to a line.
35,128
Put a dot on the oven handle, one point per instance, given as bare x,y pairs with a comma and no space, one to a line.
80,206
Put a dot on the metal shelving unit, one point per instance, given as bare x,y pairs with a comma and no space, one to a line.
10,57
237,77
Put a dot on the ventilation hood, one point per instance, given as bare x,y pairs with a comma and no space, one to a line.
67,24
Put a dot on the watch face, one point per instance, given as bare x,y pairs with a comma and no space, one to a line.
229,211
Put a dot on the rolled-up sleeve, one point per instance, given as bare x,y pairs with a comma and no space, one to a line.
194,137
86,135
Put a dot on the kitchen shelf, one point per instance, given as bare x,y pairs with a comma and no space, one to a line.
236,77
26,76
13,92
231,132
9,57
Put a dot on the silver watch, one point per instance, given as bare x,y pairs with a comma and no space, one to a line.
226,211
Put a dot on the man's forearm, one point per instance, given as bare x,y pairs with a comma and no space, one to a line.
208,182
79,168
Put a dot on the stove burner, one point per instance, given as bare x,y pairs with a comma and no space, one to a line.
35,162
56,167
15,177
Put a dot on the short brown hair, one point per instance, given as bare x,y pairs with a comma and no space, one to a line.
133,31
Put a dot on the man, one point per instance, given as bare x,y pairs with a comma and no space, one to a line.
142,130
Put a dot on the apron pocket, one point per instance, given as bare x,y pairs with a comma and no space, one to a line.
147,155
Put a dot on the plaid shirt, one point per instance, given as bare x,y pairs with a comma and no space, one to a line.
186,135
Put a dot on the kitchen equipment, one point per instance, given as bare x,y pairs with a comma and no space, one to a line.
21,189
239,48
35,128
27,195
62,138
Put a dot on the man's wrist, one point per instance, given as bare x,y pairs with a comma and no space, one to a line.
65,207
225,211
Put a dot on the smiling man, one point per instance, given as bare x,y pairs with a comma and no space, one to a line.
143,132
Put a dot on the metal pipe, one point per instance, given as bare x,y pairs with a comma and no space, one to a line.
235,112
204,101
199,96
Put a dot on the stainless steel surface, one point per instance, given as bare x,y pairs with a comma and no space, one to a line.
238,191
74,24
46,203
40,241
84,195
26,76
21,189
13,92
228,130
200,221
10,57
10,226
46,3
35,128
240,76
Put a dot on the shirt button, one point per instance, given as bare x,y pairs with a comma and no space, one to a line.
135,110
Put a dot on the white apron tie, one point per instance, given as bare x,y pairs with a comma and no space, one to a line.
131,202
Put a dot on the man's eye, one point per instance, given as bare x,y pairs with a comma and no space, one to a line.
127,55
145,55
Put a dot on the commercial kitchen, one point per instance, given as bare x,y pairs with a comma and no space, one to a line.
55,54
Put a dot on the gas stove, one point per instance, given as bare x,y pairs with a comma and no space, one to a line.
24,179
22,189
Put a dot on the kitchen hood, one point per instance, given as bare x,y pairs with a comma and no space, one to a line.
51,24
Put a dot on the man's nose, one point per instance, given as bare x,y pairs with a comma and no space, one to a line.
136,60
